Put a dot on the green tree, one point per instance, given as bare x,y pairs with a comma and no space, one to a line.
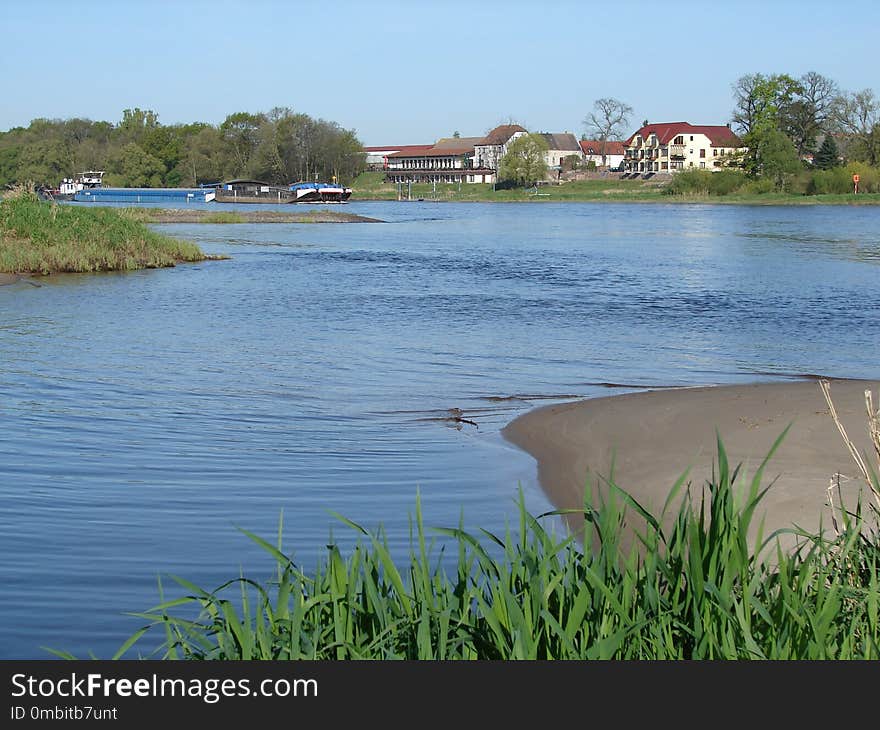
42,161
525,160
163,143
776,157
241,132
762,101
135,168
827,157
135,123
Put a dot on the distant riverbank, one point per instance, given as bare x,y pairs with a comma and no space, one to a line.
369,186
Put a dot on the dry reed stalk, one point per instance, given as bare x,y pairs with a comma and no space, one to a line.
873,430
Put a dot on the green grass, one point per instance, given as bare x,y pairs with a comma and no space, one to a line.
224,218
43,238
369,186
695,584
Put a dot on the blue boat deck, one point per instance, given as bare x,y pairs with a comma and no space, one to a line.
143,195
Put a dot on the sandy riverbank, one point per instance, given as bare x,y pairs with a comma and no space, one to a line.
654,436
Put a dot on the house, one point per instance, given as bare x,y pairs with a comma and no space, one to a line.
560,146
675,146
492,148
594,150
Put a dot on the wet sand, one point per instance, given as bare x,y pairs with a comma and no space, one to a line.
654,436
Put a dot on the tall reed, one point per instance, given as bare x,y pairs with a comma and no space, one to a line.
700,588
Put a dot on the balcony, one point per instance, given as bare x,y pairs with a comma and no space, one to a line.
676,151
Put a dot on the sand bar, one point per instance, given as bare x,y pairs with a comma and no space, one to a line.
654,436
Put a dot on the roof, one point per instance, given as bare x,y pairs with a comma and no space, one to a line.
501,135
594,147
399,148
720,135
443,148
564,141
242,181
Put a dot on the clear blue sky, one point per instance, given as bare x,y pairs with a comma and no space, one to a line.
411,72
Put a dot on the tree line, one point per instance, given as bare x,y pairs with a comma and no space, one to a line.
279,147
782,119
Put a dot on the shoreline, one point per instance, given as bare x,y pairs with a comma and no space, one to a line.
652,437
795,201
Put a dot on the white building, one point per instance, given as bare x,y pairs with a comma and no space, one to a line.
492,148
376,158
560,146
594,150
449,160
675,146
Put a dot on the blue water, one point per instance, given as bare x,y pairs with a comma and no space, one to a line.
144,416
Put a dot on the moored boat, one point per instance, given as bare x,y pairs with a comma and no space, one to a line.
319,192
70,186
251,191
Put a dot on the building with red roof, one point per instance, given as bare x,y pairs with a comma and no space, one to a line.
605,153
675,146
452,159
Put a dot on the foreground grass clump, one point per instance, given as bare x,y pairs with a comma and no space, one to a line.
695,589
43,238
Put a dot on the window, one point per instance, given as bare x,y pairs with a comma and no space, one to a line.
714,153
692,138
678,140
703,153
703,165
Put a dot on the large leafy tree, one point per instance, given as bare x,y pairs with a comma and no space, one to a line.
525,160
241,133
761,105
776,157
132,167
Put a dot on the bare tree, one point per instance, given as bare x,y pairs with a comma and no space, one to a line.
858,115
607,121
810,112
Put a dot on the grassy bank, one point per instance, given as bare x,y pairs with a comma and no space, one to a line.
697,588
369,186
43,238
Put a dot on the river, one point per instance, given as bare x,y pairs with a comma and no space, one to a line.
145,416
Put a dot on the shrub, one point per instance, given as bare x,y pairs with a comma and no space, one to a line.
703,182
